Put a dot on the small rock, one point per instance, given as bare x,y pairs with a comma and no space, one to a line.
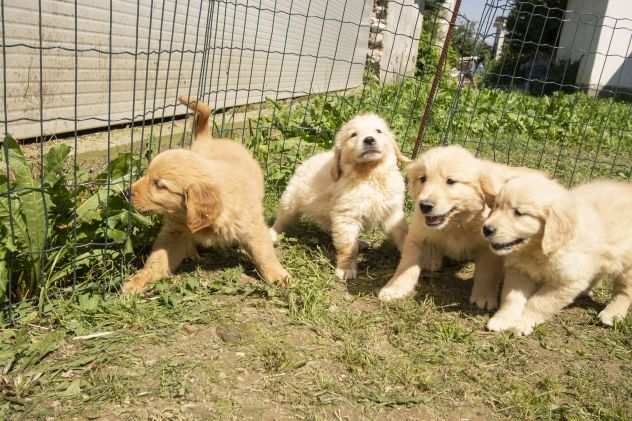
188,328
228,334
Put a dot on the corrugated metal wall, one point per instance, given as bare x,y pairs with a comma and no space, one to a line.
232,52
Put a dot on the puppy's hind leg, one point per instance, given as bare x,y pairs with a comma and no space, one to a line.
620,303
286,215
546,302
169,249
396,228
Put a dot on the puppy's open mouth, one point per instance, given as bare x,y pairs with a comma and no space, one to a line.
506,247
438,220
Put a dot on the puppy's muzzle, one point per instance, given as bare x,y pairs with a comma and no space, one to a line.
488,230
369,141
426,206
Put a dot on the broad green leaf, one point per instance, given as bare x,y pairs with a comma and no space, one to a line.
4,185
4,273
33,207
89,210
73,390
54,161
89,302
116,235
39,350
119,167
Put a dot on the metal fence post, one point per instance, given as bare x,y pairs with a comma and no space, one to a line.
436,79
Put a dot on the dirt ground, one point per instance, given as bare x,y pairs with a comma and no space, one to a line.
216,343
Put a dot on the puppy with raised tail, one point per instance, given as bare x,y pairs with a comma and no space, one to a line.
556,245
210,195
449,188
345,190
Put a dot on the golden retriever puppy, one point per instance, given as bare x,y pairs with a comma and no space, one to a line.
355,185
210,195
449,187
557,244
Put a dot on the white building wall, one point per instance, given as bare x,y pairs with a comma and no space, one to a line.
598,33
253,53
617,66
401,38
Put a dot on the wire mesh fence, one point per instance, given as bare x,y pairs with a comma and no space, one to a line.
90,91
558,87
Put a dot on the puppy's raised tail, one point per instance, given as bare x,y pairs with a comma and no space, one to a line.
201,129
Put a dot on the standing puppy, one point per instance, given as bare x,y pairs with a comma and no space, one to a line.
210,195
556,245
345,190
449,187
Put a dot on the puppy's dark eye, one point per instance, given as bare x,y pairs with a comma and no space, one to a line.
422,178
518,213
379,131
159,184
450,181
354,134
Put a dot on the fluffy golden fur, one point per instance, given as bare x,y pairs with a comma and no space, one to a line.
210,195
451,191
355,185
556,245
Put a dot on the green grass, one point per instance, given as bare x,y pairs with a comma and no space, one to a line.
217,344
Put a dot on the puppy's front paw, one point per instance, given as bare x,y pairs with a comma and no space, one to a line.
485,300
393,293
135,284
524,327
608,318
500,323
347,274
280,277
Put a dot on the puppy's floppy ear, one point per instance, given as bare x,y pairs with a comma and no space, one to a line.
339,140
490,187
491,179
336,167
558,226
412,173
398,152
203,206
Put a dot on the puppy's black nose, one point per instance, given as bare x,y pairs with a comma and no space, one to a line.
369,140
488,230
426,206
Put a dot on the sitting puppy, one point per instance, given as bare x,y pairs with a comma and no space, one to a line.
556,245
210,195
451,203
344,190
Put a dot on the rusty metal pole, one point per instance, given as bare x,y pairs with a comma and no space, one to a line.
435,81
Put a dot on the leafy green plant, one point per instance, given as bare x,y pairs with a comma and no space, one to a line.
52,228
